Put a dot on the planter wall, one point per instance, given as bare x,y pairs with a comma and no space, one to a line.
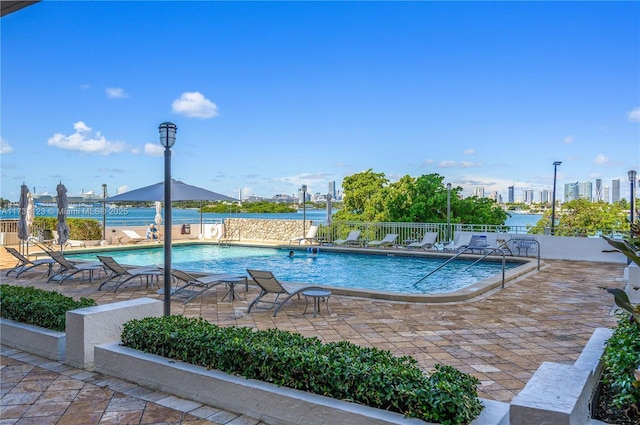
261,400
560,394
33,339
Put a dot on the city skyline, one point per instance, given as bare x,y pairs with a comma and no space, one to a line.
268,96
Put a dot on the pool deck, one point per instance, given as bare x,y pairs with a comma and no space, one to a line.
501,337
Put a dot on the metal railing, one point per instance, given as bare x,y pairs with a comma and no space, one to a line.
413,232
488,251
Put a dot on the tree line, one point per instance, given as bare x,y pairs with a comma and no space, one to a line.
370,196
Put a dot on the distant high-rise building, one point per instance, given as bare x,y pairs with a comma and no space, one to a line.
598,190
511,197
615,190
570,191
527,196
478,191
605,195
585,191
495,196
332,189
545,196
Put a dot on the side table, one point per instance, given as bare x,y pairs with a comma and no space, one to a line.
316,296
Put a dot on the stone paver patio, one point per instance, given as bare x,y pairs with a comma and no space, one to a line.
501,337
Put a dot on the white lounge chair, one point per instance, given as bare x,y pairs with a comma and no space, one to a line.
312,233
428,240
133,236
462,239
352,238
388,240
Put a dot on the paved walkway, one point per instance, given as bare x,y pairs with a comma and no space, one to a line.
501,337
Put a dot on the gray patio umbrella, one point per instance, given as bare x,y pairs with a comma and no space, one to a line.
63,205
179,192
23,231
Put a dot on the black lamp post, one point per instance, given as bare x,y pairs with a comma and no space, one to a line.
553,197
304,210
448,211
167,139
632,194
104,213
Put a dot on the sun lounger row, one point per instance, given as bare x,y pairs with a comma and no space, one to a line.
428,240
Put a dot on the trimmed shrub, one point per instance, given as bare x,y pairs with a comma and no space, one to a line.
38,307
340,370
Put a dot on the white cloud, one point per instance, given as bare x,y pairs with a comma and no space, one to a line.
634,116
84,141
568,139
470,152
601,160
116,93
447,164
194,104
469,164
153,149
122,189
5,147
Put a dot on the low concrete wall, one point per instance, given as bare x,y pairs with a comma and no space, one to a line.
88,327
33,339
560,394
261,400
578,249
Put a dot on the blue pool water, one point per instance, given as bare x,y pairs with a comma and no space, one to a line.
351,270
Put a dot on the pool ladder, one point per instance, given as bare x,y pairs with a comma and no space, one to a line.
491,250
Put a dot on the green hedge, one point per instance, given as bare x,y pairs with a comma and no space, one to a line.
38,307
84,229
340,370
621,358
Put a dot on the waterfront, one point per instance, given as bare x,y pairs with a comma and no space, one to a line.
142,216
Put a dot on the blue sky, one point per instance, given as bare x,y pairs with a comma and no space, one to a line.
271,95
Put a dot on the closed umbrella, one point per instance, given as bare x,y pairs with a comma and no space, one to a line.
23,232
63,205
30,217
158,218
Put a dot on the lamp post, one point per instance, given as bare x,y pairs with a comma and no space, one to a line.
167,139
448,211
304,210
104,213
632,194
553,197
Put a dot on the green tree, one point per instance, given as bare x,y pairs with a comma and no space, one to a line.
582,217
361,192
369,196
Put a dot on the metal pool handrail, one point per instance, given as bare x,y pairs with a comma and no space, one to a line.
470,248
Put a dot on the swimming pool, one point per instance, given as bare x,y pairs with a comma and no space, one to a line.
388,273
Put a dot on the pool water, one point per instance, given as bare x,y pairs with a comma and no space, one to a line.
352,270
